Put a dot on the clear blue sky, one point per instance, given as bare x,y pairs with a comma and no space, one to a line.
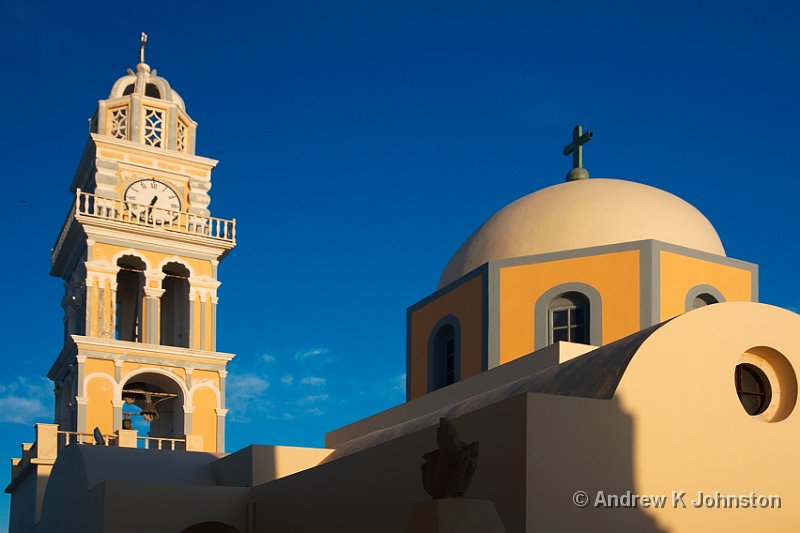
361,142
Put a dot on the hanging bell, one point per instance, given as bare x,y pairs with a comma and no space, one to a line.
149,412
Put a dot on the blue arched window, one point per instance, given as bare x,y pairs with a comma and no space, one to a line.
444,354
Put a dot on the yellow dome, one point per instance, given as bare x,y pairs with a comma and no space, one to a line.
582,214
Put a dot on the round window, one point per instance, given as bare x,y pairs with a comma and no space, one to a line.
753,388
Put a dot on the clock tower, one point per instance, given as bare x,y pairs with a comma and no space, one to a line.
138,254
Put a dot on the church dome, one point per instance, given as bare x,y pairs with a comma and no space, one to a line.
582,214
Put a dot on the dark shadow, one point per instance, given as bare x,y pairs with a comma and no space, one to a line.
210,527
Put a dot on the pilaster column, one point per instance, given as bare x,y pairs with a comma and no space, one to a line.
117,405
187,419
101,284
204,290
153,293
223,374
221,429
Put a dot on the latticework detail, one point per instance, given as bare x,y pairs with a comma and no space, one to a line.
119,123
180,141
153,127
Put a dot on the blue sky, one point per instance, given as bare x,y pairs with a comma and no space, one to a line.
361,142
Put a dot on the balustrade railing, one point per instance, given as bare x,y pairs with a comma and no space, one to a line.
156,217
65,438
161,443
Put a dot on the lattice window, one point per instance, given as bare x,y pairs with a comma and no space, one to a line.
154,127
180,141
119,123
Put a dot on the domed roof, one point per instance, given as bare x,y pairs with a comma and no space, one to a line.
582,214
146,81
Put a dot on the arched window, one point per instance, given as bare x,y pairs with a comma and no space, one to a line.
130,297
701,296
568,318
444,354
175,306
702,300
568,312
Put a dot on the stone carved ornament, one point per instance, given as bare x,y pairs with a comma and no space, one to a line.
448,471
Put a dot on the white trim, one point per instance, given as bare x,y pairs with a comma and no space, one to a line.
176,259
130,251
206,385
152,370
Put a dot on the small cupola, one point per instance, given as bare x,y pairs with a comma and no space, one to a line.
143,108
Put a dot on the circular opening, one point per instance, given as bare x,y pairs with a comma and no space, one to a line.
753,388
766,384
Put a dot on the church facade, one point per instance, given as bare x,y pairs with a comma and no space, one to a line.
612,363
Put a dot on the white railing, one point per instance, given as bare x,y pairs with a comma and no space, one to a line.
156,217
65,438
161,443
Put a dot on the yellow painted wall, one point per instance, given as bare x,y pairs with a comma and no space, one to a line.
615,276
90,366
204,418
466,303
106,251
679,274
205,375
99,410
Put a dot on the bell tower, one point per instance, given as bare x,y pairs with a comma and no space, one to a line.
138,254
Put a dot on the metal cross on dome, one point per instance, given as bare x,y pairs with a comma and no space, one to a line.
576,149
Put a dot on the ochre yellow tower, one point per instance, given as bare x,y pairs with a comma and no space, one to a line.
138,254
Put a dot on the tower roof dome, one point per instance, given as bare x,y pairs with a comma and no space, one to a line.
146,82
582,214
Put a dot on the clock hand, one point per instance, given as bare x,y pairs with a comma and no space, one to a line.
153,201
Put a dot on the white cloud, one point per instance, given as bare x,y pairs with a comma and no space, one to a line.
268,358
312,398
26,401
398,383
243,389
248,385
288,379
313,381
316,411
313,352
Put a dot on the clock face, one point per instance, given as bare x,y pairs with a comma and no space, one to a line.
152,201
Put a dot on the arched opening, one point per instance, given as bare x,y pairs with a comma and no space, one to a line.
130,298
210,527
128,89
153,405
444,355
568,318
152,91
175,306
701,296
702,300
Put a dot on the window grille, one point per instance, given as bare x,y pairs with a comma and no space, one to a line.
154,127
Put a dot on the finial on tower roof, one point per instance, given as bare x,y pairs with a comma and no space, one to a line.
576,149
141,47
